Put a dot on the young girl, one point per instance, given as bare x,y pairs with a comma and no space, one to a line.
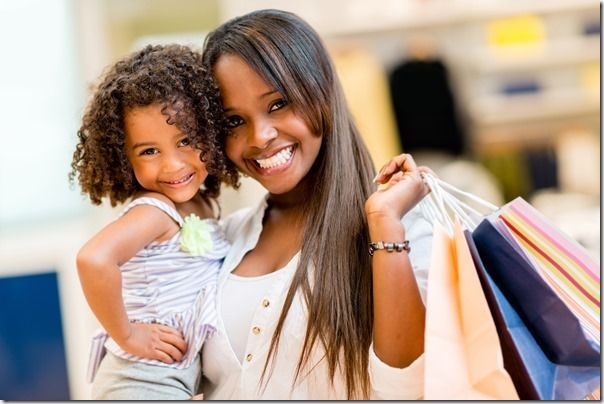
150,276
309,309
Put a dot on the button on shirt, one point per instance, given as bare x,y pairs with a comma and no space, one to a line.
227,377
238,313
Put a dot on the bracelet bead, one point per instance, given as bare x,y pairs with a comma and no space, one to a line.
388,246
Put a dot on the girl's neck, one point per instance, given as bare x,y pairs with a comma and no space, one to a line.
198,205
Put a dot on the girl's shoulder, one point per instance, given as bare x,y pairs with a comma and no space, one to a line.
154,195
155,206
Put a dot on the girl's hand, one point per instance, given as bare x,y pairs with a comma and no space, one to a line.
404,188
155,341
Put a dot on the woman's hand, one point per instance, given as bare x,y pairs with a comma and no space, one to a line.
404,188
154,341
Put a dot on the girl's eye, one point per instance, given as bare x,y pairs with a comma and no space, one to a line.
277,105
148,152
234,121
185,142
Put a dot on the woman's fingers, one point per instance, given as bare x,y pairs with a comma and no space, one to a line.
426,170
401,163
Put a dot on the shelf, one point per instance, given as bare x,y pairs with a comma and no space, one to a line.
360,17
559,53
502,110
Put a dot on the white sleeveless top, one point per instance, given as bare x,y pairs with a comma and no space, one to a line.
162,284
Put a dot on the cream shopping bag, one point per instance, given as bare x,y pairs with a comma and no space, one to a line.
463,359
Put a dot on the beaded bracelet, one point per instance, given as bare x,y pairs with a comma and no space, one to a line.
390,247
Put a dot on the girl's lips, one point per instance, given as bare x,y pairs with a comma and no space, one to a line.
180,182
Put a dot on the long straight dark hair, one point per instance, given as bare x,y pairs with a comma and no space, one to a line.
289,55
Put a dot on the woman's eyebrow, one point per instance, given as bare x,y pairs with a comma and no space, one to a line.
270,92
264,95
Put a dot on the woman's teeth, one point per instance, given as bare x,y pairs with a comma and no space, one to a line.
276,160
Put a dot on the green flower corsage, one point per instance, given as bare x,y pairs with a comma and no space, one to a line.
195,236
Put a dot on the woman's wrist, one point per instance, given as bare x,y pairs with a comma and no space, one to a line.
385,227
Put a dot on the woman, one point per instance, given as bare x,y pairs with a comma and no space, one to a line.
306,312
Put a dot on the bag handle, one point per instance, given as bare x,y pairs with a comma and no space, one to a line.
488,205
442,205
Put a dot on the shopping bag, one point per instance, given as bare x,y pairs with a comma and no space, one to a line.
534,375
562,263
553,325
463,358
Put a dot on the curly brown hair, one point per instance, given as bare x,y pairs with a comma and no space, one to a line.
172,76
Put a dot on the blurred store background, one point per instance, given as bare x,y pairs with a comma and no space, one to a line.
501,98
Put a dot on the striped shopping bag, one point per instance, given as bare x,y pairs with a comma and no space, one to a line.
562,262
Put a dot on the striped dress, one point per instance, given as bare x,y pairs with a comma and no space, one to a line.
162,284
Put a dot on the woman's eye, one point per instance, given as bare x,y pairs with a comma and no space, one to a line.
148,152
185,142
277,105
234,121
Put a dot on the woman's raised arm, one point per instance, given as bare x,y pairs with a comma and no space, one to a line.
399,314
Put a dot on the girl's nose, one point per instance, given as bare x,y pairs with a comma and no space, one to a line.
172,162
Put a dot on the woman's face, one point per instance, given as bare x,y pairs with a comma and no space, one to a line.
268,140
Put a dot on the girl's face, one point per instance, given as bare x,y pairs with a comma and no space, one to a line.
268,140
161,156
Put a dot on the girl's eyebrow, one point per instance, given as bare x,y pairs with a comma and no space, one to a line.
142,144
146,144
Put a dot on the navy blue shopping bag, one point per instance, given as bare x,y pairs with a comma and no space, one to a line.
551,322
534,373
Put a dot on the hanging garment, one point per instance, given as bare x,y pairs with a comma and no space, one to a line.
424,107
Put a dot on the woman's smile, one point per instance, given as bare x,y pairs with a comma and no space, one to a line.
275,162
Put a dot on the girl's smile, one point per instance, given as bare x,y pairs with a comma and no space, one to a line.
181,182
161,156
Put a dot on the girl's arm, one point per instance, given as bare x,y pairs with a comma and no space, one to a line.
98,267
399,314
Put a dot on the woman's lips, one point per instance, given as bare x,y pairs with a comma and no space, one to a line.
276,163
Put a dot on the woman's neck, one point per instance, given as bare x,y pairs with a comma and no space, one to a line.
296,199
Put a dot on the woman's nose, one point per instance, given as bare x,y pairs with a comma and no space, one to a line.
261,135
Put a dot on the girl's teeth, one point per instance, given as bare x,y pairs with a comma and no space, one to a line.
180,181
278,159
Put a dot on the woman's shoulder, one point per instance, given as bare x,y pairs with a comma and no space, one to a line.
238,218
241,222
